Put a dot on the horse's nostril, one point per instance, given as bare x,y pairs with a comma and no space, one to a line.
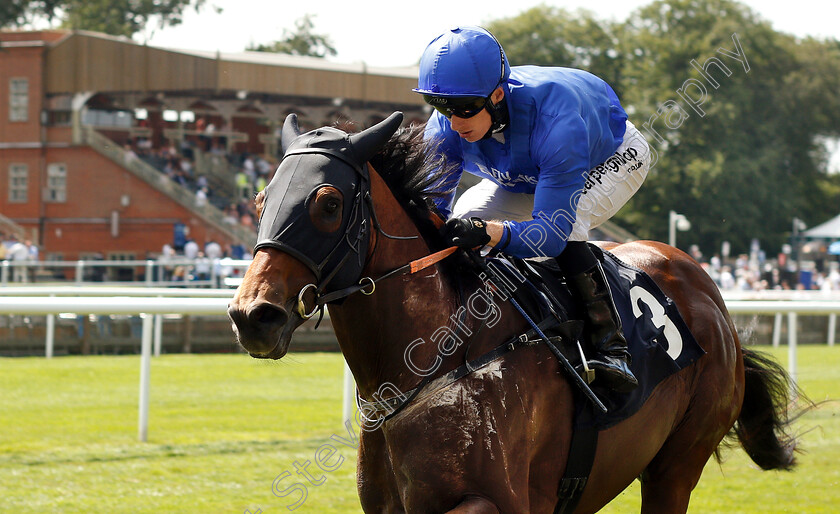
268,314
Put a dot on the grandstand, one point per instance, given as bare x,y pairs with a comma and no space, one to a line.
105,143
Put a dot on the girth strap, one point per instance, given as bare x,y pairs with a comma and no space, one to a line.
578,467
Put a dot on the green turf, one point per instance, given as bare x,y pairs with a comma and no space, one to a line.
223,427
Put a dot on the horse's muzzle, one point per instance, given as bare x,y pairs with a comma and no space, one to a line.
261,328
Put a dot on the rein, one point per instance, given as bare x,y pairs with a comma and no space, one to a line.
407,269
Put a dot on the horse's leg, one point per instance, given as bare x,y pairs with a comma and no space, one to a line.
475,505
670,477
668,489
375,477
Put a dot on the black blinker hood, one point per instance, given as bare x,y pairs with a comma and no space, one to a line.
323,157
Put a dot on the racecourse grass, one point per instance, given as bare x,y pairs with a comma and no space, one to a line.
223,427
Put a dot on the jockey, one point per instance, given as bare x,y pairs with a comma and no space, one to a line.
556,156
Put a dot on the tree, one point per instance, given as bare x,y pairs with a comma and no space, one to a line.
116,17
745,161
550,36
301,41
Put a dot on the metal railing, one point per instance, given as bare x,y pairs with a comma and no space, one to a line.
49,303
223,272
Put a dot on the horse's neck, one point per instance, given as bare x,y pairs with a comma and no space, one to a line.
374,331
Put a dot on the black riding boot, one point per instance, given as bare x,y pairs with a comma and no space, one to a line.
612,364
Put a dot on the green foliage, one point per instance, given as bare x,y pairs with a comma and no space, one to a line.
751,157
116,17
223,427
301,41
551,36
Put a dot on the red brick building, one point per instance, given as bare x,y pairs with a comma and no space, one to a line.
71,101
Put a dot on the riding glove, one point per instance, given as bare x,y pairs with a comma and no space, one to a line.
465,233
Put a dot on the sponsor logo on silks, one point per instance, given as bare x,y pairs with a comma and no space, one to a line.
613,164
504,178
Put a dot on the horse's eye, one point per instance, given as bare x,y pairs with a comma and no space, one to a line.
332,205
325,209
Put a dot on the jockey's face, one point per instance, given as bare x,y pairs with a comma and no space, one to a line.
475,127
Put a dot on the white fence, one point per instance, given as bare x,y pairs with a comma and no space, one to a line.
155,273
152,303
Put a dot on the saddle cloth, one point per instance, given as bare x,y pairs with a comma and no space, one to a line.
658,339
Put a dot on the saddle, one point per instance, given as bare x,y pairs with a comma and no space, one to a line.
658,340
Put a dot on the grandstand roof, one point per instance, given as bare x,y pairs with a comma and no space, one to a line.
88,61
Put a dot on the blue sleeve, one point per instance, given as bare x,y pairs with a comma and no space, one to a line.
446,142
561,151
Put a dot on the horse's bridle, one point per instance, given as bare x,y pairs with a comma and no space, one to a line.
355,230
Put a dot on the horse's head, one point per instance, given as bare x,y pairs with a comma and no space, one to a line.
314,232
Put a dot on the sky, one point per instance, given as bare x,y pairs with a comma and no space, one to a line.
395,32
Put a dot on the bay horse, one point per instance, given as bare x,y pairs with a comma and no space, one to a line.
339,223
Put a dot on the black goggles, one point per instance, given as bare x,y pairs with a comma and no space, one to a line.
461,107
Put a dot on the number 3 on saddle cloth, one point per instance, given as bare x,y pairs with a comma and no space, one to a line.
657,337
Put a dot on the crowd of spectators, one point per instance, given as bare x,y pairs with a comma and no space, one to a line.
757,273
250,173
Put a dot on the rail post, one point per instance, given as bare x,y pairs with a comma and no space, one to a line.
792,347
145,372
80,272
50,342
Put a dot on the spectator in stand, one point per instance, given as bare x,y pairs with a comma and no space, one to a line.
170,151
186,166
261,183
18,253
263,167
128,154
201,197
186,149
202,267
217,149
230,215
144,146
167,255
33,250
243,186
247,221
191,249
833,278
213,250
727,281
249,168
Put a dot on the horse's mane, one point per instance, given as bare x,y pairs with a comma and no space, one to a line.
415,172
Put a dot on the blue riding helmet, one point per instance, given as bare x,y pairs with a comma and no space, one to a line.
464,61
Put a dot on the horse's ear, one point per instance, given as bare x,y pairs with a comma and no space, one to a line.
290,132
368,142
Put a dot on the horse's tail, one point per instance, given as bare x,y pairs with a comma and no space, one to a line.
764,426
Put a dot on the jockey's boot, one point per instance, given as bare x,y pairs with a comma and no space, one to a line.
612,364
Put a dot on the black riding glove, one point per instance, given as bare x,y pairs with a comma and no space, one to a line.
465,233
